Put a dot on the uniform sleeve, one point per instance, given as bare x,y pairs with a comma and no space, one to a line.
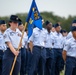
6,37
69,35
52,38
26,39
66,46
31,38
63,42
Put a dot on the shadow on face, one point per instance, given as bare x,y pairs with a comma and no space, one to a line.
3,27
14,24
58,28
74,34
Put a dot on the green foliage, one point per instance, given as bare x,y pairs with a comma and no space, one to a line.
65,22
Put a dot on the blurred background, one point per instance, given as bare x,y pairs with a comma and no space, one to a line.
62,11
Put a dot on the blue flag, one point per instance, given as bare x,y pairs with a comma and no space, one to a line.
33,19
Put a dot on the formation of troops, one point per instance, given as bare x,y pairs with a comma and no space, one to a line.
46,52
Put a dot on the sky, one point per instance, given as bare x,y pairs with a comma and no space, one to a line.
62,8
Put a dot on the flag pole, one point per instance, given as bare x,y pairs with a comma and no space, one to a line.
13,65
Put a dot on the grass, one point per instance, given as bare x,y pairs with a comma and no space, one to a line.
62,73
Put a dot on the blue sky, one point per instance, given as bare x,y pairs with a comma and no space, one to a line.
62,8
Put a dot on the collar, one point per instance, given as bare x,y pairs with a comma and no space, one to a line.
48,32
12,30
57,33
38,29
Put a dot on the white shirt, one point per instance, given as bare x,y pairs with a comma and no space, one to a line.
25,39
57,40
13,37
24,36
69,35
70,47
48,43
64,41
2,42
38,37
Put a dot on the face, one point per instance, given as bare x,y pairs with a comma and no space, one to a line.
53,29
74,24
14,25
58,28
21,27
74,34
3,27
49,26
64,34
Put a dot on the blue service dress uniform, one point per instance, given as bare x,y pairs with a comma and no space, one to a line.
38,57
2,49
49,66
70,48
14,38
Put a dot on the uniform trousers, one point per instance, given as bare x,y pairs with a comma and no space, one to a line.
1,57
37,61
23,61
70,68
49,66
8,59
59,62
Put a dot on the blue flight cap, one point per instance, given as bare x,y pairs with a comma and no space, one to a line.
2,22
20,22
47,22
74,21
53,25
56,25
63,31
73,28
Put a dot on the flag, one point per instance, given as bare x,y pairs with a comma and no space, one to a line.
34,19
